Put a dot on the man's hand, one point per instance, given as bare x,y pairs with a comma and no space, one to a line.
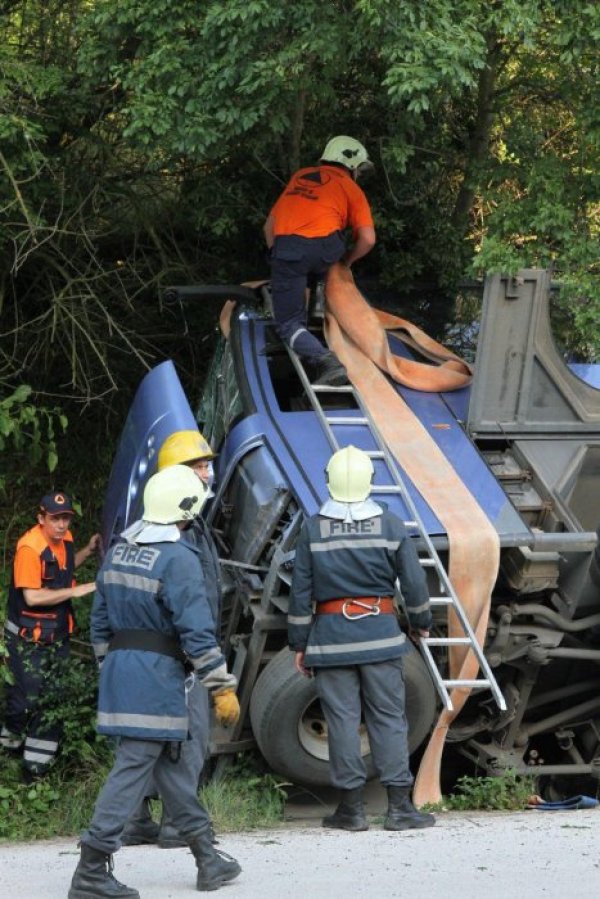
86,551
83,589
227,707
417,635
92,544
299,663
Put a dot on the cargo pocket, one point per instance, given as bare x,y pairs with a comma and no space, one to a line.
38,627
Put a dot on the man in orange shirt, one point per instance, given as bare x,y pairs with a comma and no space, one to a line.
39,623
304,232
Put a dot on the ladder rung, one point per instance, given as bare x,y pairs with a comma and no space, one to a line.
375,454
411,524
466,683
385,488
428,563
325,388
441,600
332,420
448,641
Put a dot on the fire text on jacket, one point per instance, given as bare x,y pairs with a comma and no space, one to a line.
135,556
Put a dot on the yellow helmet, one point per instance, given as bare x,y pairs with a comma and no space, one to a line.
349,475
174,494
348,152
184,446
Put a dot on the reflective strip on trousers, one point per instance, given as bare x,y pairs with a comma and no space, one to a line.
9,740
39,751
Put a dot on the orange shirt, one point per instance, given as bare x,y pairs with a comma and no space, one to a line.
318,201
27,565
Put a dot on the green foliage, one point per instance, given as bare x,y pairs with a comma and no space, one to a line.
74,677
145,142
245,798
25,426
505,792
61,802
24,809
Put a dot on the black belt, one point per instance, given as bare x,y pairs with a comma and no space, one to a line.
151,641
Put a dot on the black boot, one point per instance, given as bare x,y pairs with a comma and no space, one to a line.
350,813
401,813
93,878
168,835
215,868
170,838
141,830
330,371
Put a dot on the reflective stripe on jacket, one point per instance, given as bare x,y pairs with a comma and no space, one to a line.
336,559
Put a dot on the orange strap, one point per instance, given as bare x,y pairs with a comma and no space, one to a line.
365,328
356,605
356,334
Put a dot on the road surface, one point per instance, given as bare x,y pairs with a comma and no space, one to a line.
467,855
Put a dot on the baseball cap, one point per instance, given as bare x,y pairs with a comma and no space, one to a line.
56,504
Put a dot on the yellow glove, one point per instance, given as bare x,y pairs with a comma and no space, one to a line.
227,707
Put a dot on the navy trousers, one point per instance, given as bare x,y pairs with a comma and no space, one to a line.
293,260
137,764
33,666
378,691
194,750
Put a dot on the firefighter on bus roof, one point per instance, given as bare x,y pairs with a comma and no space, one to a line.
39,623
304,232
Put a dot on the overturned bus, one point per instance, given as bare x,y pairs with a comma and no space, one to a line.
522,436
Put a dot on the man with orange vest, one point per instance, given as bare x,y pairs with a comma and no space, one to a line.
305,234
39,623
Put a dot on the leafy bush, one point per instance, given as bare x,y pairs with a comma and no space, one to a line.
506,792
27,424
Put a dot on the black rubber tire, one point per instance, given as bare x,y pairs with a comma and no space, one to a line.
282,699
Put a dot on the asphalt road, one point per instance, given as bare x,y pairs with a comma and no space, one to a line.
466,855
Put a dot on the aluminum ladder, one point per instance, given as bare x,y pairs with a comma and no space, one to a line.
447,596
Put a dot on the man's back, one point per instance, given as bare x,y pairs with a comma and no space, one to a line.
318,201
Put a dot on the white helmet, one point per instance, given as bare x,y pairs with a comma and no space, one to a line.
348,152
349,475
174,494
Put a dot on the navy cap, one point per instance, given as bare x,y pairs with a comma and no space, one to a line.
56,504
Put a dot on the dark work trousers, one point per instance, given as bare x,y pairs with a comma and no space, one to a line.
33,666
293,260
378,690
137,763
194,751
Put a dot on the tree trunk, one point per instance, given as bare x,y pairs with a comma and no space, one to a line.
297,129
479,137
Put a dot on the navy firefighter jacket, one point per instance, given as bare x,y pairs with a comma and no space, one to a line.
157,588
337,559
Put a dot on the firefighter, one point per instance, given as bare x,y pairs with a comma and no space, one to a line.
304,233
150,620
191,449
348,557
39,624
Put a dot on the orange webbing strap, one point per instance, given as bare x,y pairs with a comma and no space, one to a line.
366,328
355,334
